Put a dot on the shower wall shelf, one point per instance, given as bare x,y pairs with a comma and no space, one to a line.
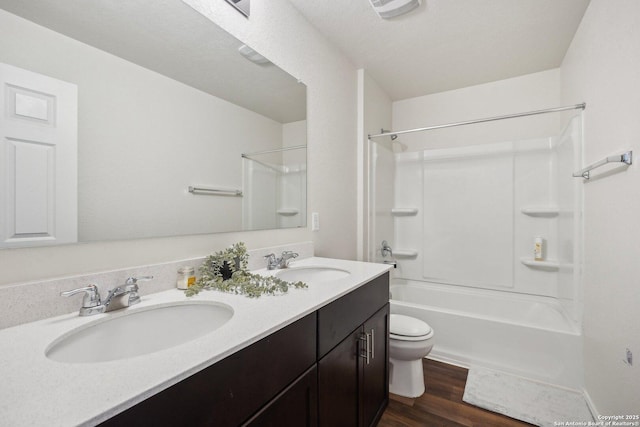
404,211
405,253
288,212
542,265
541,211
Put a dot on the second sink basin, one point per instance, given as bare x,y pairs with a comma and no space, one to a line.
312,274
139,332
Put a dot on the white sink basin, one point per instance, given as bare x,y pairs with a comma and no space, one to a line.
139,332
312,274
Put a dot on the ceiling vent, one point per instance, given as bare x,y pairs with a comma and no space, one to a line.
391,8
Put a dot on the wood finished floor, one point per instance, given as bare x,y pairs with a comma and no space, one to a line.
441,405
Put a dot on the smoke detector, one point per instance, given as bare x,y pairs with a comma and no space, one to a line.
387,9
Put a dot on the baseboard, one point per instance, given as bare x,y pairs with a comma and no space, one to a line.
448,360
464,361
591,405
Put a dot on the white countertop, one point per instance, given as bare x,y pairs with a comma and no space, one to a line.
37,391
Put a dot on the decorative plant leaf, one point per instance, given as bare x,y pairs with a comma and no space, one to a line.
227,271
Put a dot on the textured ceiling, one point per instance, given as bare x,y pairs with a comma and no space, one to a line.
448,44
169,37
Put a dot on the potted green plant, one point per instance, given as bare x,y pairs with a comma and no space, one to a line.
227,271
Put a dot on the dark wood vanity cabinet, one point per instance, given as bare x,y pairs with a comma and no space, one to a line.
230,391
312,372
296,406
375,376
353,375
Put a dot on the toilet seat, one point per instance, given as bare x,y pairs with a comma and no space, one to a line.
405,328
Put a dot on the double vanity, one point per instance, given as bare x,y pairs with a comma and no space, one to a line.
314,356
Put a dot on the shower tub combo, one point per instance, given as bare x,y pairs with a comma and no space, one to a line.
458,212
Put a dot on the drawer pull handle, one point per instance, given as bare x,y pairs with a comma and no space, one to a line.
367,346
373,343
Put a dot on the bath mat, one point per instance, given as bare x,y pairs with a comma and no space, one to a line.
526,400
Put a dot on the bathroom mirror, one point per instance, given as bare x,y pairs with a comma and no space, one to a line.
166,101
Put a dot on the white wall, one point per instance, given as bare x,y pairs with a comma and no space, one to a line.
294,134
375,114
293,183
278,31
602,68
520,94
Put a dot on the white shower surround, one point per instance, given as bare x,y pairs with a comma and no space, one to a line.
460,261
478,209
274,195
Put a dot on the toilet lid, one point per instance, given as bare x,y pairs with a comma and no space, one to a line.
408,326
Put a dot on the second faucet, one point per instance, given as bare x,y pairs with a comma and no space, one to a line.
282,262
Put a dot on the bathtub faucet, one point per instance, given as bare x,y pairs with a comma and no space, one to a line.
386,249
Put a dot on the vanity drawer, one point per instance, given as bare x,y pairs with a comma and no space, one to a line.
230,391
343,316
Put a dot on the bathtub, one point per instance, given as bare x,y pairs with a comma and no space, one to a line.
524,335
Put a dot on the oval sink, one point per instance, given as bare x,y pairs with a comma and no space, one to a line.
140,332
312,274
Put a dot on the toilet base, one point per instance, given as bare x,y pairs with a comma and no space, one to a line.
406,377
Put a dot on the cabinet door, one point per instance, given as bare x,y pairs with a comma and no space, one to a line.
338,384
296,406
375,374
338,319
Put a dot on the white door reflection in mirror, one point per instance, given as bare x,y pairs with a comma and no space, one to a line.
38,159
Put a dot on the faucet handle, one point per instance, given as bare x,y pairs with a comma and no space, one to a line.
289,254
131,285
272,261
135,280
286,257
91,295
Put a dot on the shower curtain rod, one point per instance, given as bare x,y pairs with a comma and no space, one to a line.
489,119
277,150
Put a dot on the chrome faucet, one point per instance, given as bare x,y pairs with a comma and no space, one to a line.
286,257
117,298
91,303
282,262
125,295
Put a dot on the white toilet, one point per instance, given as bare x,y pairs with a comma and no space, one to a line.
410,340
